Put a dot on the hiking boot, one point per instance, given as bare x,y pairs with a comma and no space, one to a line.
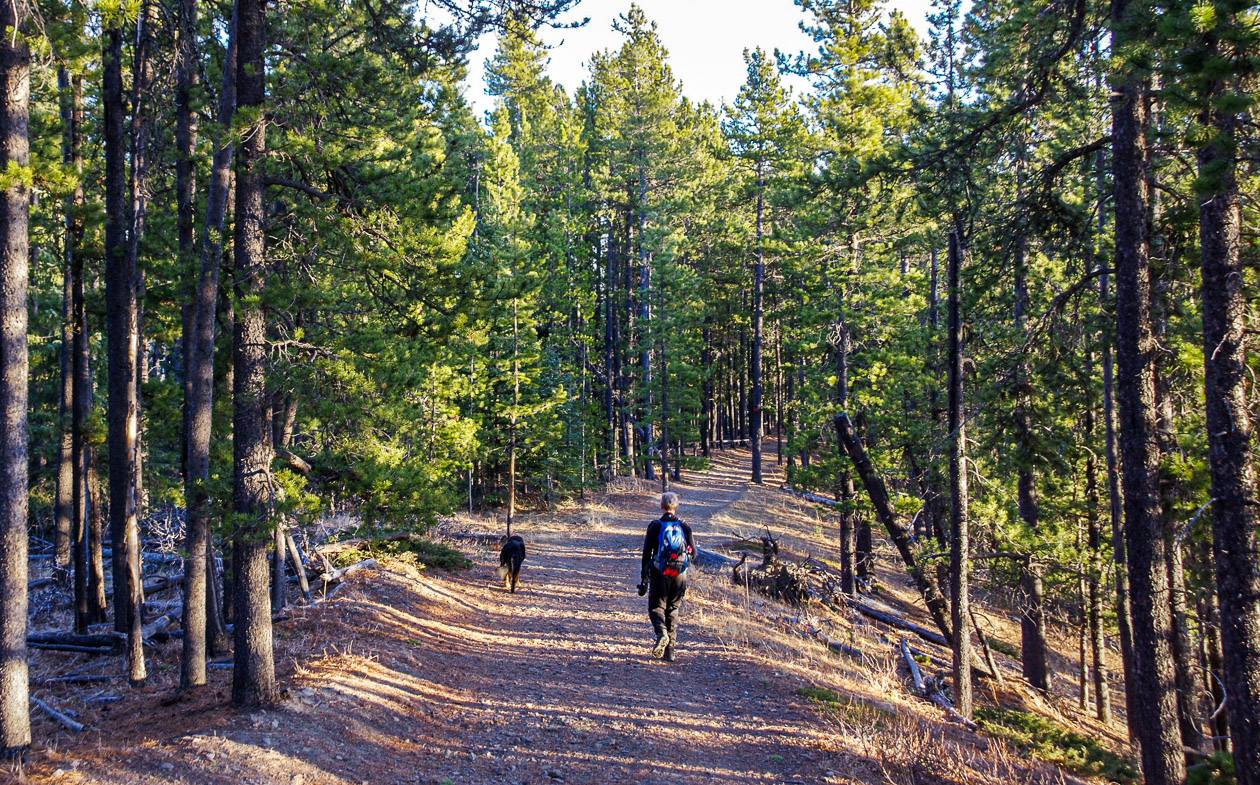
662,646
669,653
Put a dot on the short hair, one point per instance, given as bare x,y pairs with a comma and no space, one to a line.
669,501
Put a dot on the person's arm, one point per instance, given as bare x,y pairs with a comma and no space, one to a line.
691,543
649,547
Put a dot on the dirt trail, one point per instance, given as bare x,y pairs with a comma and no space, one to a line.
437,678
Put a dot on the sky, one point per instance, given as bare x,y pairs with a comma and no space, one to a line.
705,39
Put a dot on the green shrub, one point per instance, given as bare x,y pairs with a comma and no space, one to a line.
696,463
857,710
820,695
414,550
1056,744
1217,769
1009,649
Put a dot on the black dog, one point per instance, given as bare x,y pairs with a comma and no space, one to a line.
511,554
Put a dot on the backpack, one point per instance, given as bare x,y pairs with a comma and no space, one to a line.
671,549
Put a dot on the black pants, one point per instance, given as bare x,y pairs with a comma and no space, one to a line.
665,596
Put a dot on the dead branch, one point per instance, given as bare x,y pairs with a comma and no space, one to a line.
61,718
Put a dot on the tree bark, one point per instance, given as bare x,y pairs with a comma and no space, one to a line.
646,424
197,620
844,481
253,674
1032,620
78,355
63,506
1094,600
959,541
186,77
1155,724
1230,441
15,93
96,501
758,320
120,311
709,426
1115,498
139,138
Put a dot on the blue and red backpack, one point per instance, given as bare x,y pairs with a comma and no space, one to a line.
672,558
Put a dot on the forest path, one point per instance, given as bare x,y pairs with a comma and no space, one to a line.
447,678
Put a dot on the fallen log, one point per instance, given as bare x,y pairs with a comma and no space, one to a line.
989,661
111,640
79,678
162,584
710,561
810,496
296,557
40,583
866,609
70,647
342,572
475,537
916,675
159,625
880,501
843,648
62,718
931,691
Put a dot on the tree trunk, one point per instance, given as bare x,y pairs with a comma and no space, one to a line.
139,137
1115,498
778,391
15,93
196,619
708,429
1093,539
758,320
863,551
77,542
120,311
844,481
878,493
959,541
1155,724
1082,649
1230,443
1214,658
97,513
1032,621
253,674
610,369
186,77
516,400
934,493
63,506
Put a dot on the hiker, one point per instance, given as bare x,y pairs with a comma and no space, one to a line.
667,551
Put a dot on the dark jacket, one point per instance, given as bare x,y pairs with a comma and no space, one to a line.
653,538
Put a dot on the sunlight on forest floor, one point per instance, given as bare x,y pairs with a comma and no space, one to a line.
425,676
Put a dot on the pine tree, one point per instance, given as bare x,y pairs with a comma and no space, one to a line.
253,675
15,87
763,130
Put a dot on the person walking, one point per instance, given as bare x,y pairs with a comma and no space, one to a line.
668,548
